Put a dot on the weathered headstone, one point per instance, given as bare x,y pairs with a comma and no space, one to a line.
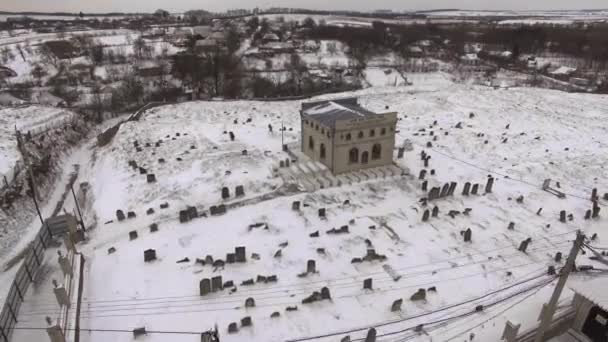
233,328
467,235
466,189
192,212
204,286
151,178
249,302
425,215
562,216
230,258
588,214
183,216
434,193
397,305
422,174
435,211
558,257
596,210
367,284
231,136
489,184
523,246
452,188
295,205
246,321
240,254
311,266
321,212
400,152
133,235
445,190
425,185
225,193
131,214
149,255
239,191
120,215
419,295
216,284
371,335
475,189
511,226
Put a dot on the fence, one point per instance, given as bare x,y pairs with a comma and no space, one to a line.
9,177
23,278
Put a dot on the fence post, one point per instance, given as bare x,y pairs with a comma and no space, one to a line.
41,240
10,309
35,256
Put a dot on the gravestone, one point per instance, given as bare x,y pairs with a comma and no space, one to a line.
435,211
396,305
183,216
400,152
295,205
120,215
434,193
216,284
287,162
192,212
204,286
246,321
422,174
419,295
131,214
588,214
445,190
558,257
489,184
230,258
425,185
240,254
467,235
164,205
596,210
474,189
150,211
325,293
231,136
466,189
142,171
151,178
425,215
281,163
244,152
233,328
452,188
511,226
249,302
225,193
562,216
149,255
239,191
311,266
133,235
371,335
321,212
523,245
594,194
367,284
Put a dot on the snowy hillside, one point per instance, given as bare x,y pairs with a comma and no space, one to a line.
519,136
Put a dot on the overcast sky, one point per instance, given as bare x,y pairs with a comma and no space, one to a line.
216,5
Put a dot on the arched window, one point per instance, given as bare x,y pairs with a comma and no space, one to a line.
348,137
361,135
376,151
353,155
364,157
311,143
383,131
372,132
317,127
322,151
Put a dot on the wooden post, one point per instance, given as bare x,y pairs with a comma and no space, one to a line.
548,310
78,208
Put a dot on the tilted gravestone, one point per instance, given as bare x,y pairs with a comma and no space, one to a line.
466,189
371,335
419,295
397,305
475,189
489,184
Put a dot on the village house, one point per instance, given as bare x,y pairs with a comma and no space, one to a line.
346,137
62,49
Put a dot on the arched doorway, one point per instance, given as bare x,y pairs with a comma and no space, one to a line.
311,143
376,151
322,151
364,157
353,155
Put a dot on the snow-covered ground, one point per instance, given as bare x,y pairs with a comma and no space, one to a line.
520,136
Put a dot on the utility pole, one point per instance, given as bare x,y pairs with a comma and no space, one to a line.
282,139
548,310
31,182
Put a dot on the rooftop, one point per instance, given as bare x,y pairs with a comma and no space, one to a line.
328,112
594,289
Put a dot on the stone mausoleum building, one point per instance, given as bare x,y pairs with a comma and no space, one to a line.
347,137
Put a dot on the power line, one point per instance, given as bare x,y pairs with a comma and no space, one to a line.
163,305
286,287
381,324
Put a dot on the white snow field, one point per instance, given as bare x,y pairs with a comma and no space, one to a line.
520,136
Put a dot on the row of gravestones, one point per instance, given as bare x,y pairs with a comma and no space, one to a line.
120,215
449,188
239,191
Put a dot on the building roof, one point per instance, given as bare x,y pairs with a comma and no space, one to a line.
328,112
594,289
